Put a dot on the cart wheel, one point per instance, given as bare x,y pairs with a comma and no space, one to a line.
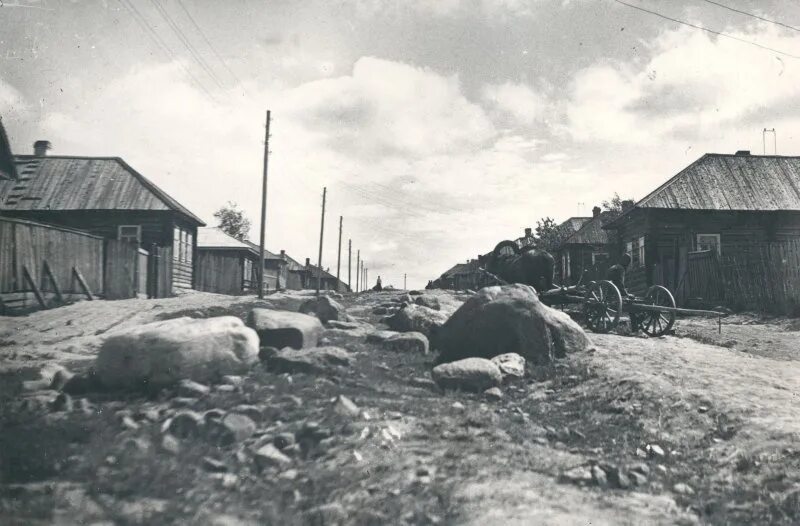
657,323
602,306
506,248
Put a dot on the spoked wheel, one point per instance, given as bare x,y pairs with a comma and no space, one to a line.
653,322
506,248
602,306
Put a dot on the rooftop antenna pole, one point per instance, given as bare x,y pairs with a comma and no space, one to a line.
321,232
774,140
263,212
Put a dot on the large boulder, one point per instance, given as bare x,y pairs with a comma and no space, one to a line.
166,352
315,360
407,342
325,309
417,318
470,374
508,319
280,328
432,302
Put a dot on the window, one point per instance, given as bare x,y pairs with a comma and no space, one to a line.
565,264
629,249
189,246
176,244
709,242
248,270
129,233
599,257
641,251
182,245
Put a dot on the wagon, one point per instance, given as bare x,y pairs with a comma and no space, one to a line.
654,314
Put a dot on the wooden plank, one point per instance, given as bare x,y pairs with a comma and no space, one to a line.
82,283
35,288
52,278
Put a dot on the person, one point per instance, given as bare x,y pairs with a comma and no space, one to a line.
616,273
378,285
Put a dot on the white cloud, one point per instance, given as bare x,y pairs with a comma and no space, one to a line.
517,102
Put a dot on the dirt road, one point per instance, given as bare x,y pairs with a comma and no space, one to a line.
703,434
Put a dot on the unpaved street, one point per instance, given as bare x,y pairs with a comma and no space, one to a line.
701,433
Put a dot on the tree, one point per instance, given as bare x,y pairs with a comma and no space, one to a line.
614,206
231,220
549,235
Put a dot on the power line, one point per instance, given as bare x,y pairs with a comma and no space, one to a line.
182,37
209,44
708,30
723,6
142,21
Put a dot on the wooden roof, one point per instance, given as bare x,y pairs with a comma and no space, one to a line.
213,238
8,169
591,233
731,182
84,183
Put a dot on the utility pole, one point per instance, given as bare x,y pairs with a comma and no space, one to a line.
349,262
263,213
321,232
339,256
366,278
358,269
404,282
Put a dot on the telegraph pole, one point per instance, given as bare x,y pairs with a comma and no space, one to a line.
339,256
263,213
404,282
321,232
349,262
358,268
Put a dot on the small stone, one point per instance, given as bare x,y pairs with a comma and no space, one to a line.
62,402
702,409
289,474
343,406
170,444
139,445
269,456
185,424
225,388
640,467
310,361
512,365
192,389
457,406
232,428
470,374
683,489
432,302
654,451
213,414
82,405
423,383
638,479
408,342
599,476
228,481
493,394
333,513
60,379
129,423
283,440
380,336
581,475
230,379
251,411
148,414
214,465
182,401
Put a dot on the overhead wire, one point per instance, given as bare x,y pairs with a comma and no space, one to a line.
718,33
142,21
729,8
185,41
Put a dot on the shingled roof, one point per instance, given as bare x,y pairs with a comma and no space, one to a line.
731,182
573,224
84,183
213,238
591,233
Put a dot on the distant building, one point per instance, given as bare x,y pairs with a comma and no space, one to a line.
225,265
721,205
584,253
307,277
106,197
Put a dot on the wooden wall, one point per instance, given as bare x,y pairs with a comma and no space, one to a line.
220,271
30,244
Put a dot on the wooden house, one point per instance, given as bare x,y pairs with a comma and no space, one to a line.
720,206
8,169
307,275
584,253
106,197
224,264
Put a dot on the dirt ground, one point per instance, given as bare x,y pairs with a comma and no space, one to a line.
704,425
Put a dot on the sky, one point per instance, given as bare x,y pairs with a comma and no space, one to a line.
438,127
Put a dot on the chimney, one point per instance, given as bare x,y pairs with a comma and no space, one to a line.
596,211
627,205
308,262
528,232
40,148
283,253
743,153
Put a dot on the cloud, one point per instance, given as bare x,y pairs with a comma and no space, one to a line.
515,102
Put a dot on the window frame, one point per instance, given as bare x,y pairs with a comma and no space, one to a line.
642,252
138,228
718,238
595,254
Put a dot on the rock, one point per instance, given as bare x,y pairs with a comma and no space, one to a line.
423,383
232,379
343,406
407,342
326,515
432,302
508,319
310,361
62,402
80,384
380,336
581,475
269,456
284,440
191,388
231,429
185,424
280,328
60,378
170,444
654,451
325,308
637,478
599,476
470,374
415,293
251,411
493,393
404,298
417,318
512,365
344,325
165,352
380,310
214,465
683,489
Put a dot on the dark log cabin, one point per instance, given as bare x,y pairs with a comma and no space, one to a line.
104,196
225,265
726,204
584,253
8,169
